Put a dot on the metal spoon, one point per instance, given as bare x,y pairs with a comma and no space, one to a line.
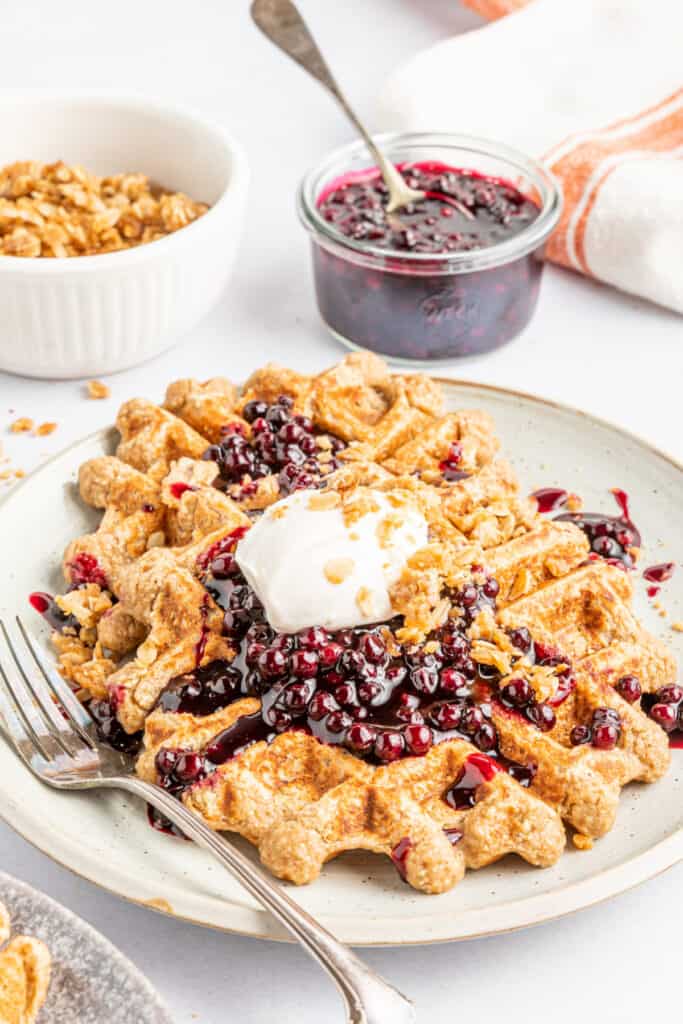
281,22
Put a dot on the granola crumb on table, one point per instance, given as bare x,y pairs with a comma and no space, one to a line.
22,426
44,429
96,389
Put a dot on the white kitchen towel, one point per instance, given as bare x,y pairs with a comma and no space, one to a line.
594,88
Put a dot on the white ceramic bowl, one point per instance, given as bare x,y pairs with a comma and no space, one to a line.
92,315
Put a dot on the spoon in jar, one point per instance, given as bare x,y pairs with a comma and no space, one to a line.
282,23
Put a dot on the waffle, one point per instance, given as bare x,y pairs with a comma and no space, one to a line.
531,631
24,975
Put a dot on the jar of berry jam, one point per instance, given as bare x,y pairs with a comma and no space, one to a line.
454,274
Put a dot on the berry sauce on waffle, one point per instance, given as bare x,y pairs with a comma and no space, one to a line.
358,688
281,442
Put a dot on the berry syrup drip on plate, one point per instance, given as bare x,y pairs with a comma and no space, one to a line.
610,537
659,573
656,575
549,499
281,443
462,210
160,823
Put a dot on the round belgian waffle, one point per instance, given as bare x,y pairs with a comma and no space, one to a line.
141,616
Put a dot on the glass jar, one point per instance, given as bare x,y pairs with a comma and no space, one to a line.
425,307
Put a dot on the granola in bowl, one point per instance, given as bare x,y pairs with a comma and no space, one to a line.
57,210
466,684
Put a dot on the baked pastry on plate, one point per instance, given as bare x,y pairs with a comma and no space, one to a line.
24,974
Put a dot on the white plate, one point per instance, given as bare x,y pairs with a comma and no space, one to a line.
90,982
105,837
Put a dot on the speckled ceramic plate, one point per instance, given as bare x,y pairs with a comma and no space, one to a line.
105,837
91,982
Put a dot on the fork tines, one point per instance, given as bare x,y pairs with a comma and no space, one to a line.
39,713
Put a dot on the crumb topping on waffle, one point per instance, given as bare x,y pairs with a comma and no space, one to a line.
512,691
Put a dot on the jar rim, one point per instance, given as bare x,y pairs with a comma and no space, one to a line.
529,239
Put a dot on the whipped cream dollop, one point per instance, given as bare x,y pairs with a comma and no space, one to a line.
315,561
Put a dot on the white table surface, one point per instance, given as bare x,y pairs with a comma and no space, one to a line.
588,346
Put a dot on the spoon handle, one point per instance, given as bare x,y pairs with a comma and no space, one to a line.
282,23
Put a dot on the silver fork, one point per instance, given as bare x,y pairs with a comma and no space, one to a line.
55,737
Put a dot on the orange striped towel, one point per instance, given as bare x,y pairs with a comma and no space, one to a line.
596,88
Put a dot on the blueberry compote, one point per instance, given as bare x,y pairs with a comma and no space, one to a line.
419,309
517,696
603,731
279,442
356,688
203,691
664,706
462,210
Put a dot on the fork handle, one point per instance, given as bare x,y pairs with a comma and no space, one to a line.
369,999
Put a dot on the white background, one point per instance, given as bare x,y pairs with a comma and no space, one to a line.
589,346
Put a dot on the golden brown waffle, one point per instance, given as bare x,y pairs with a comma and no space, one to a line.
167,513
24,975
302,802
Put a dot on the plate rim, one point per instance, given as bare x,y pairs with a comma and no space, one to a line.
94,935
661,856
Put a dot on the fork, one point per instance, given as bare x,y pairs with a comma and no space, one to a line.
55,737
